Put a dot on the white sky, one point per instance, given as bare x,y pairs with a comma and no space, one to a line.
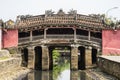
9,9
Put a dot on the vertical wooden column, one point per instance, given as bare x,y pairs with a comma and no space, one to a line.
88,56
74,57
45,58
31,57
45,32
89,35
75,35
31,35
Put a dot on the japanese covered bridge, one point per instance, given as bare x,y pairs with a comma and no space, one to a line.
37,36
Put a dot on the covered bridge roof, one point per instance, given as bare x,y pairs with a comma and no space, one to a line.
60,18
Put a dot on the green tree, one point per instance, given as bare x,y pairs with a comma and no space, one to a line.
55,55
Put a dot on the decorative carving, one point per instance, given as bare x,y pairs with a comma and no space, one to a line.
22,17
61,13
49,13
72,12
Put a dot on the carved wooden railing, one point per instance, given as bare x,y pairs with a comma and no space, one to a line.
60,37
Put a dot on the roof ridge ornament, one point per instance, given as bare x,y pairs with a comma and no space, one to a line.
72,12
49,13
61,12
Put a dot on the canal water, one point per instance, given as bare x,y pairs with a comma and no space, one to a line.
61,71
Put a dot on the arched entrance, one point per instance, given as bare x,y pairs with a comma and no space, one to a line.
38,58
60,52
25,57
94,55
81,58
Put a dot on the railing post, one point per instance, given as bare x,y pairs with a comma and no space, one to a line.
45,32
88,35
74,34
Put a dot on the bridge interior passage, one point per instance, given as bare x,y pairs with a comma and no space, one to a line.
23,34
52,32
60,31
38,32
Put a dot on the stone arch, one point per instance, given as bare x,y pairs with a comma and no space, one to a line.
38,58
94,55
81,58
25,57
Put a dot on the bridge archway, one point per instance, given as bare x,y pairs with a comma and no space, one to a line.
25,57
38,58
94,55
81,58
63,51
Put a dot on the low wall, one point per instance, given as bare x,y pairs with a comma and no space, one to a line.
8,63
110,64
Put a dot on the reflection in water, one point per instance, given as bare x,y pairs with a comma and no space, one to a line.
63,65
64,75
61,71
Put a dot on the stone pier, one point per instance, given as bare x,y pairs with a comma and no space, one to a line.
31,57
74,57
88,57
45,58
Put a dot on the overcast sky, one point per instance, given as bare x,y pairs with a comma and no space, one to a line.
9,9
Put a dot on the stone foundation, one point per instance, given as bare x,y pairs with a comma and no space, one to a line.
88,57
109,65
31,57
45,58
7,62
74,58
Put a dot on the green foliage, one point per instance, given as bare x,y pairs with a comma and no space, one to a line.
55,54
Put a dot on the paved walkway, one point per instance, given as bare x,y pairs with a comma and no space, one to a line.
112,58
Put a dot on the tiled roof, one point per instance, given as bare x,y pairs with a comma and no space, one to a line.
55,19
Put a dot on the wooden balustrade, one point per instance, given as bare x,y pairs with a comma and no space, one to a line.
60,37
